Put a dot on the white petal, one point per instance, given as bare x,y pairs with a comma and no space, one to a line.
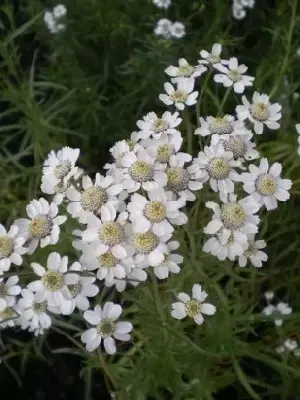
109,345
208,309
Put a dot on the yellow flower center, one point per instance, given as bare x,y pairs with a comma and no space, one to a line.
192,308
179,96
259,111
93,198
220,125
265,184
53,280
155,211
40,226
141,171
186,70
108,260
160,125
218,168
233,216
164,152
178,179
6,246
111,233
234,75
144,243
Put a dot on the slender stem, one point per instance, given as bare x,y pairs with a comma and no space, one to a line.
106,371
198,105
224,100
189,132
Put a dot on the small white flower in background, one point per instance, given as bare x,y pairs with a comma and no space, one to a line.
52,19
233,75
269,295
253,253
11,248
105,328
59,11
162,3
265,185
93,196
181,96
33,314
163,27
184,70
8,318
153,126
170,263
278,310
260,112
52,286
220,126
193,308
43,225
298,139
289,345
8,292
177,30
214,57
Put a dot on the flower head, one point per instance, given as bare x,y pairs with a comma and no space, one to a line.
254,253
181,96
153,126
177,30
233,75
184,70
8,292
11,247
213,57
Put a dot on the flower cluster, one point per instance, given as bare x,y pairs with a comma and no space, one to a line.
239,8
128,217
54,19
168,29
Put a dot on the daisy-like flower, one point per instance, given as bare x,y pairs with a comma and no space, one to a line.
226,244
134,276
8,318
220,126
61,165
214,57
193,308
216,165
254,253
141,171
184,70
238,11
162,3
52,286
177,30
59,11
83,288
150,249
269,295
181,96
11,248
180,180
163,28
233,75
43,225
298,139
289,345
233,216
260,112
265,185
8,292
92,197
105,328
162,149
33,314
158,214
278,310
170,263
153,126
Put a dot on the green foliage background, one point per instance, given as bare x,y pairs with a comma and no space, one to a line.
86,87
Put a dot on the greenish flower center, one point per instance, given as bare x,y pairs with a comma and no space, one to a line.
234,75
144,243
141,171
111,233
75,289
106,328
6,246
3,290
53,280
40,226
93,198
259,111
155,211
164,152
220,125
179,96
218,168
108,260
265,184
62,169
186,70
39,308
233,216
160,125
236,145
178,179
193,308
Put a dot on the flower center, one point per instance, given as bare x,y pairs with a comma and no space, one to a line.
233,216
179,96
59,188
234,75
265,184
108,260
62,169
111,233
7,314
144,243
6,246
40,226
259,111
218,168
164,152
178,179
186,70
160,125
75,289
192,308
3,290
213,59
106,328
141,171
155,211
220,126
39,308
236,145
131,145
93,198
250,252
53,280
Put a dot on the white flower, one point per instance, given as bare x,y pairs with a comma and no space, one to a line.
289,345
158,214
280,309
60,165
11,248
135,275
216,165
253,253
170,263
260,112
265,185
59,11
213,57
33,314
152,125
142,171
233,216
193,308
182,95
163,28
233,75
180,180
43,225
220,127
149,248
53,285
92,197
184,70
8,318
162,149
269,295
105,327
8,292
177,30
162,3
83,288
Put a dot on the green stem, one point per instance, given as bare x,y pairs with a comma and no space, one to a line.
224,101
